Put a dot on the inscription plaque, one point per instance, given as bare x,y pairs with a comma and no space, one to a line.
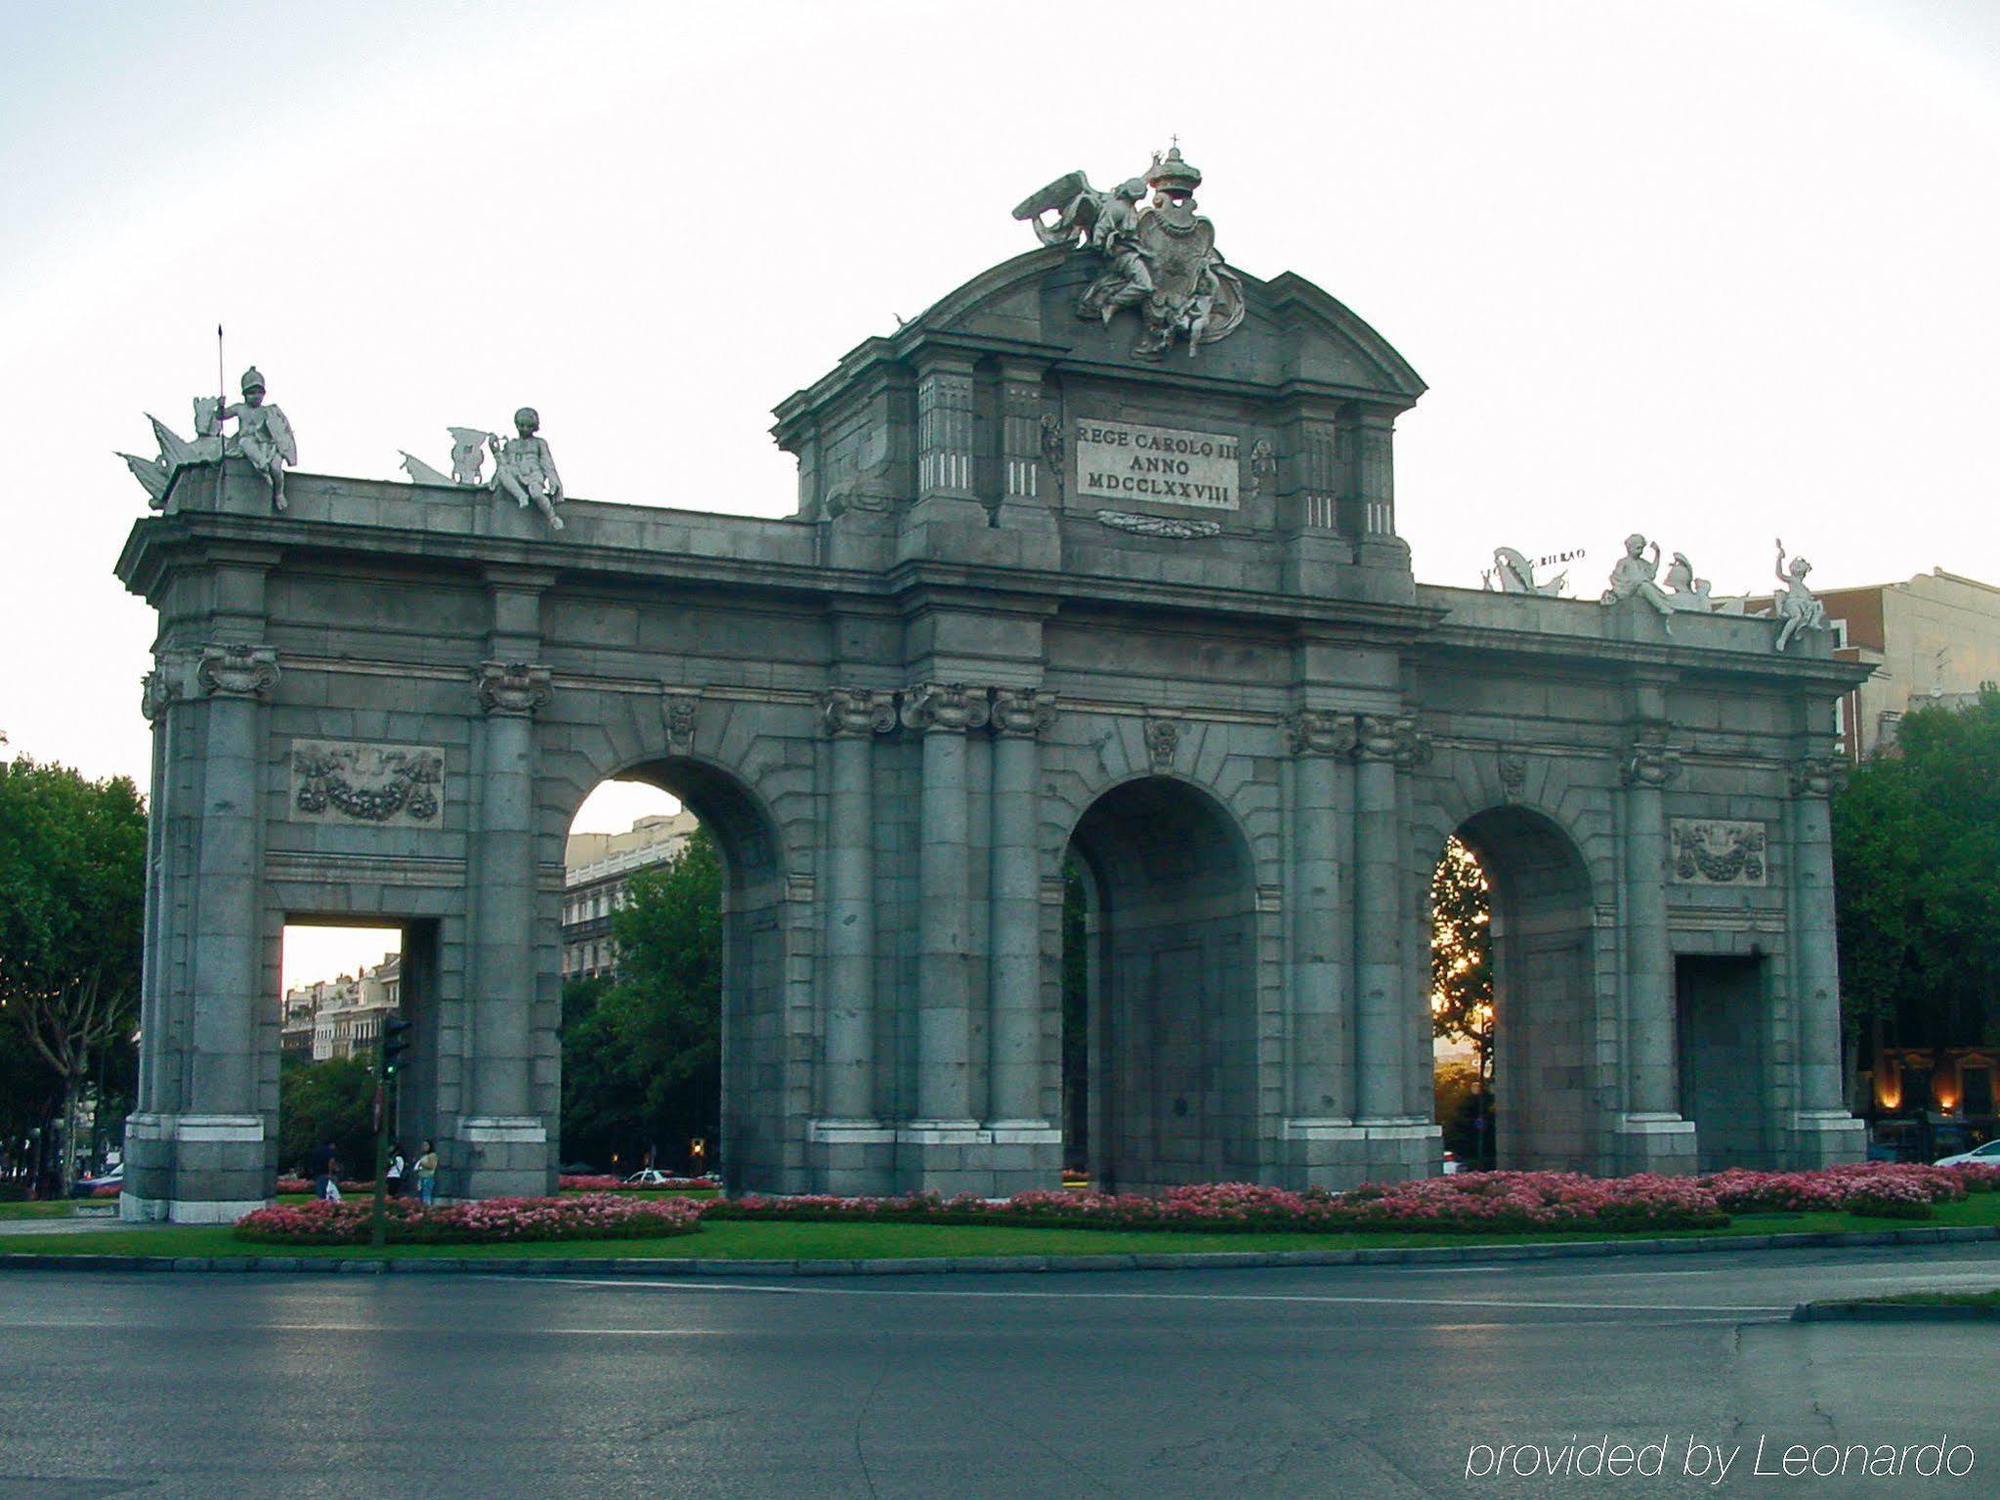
1128,461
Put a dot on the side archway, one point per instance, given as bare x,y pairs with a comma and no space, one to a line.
1544,991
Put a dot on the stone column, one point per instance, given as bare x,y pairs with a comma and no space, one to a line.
1015,1067
1823,1132
943,713
853,717
198,1155
1654,1137
506,1138
1381,741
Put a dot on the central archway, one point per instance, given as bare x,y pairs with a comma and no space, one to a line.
1170,1010
1544,1006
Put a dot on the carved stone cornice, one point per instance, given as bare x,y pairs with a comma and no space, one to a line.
1818,776
1163,742
1022,713
944,707
1319,731
237,671
682,712
1391,737
512,688
1649,763
857,712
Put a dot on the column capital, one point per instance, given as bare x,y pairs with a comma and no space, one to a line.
1649,762
1818,775
513,688
1320,731
857,713
944,707
237,671
1022,713
158,690
1391,737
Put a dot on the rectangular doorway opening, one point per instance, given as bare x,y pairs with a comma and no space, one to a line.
1723,1016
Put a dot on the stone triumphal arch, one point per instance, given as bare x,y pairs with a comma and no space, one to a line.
1096,559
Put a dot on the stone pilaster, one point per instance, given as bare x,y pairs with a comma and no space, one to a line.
943,713
1823,1132
1019,715
1652,1135
198,1154
853,1148
1028,492
503,1139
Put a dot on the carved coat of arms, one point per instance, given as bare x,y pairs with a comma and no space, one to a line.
1159,257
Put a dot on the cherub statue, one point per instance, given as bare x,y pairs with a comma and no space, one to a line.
263,435
525,468
1794,603
1632,576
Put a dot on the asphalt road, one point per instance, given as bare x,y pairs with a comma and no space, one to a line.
1338,1381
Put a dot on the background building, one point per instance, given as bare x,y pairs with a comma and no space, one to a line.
1932,639
341,1017
597,868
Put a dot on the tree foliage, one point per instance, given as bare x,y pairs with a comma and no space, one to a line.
1916,853
332,1100
642,1051
72,906
1462,953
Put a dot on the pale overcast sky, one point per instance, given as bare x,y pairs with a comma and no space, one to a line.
1717,272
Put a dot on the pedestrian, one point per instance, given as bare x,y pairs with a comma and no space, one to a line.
325,1170
427,1167
393,1176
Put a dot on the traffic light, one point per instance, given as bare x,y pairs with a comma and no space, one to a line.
395,1042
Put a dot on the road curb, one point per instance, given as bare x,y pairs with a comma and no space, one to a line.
1893,1312
1214,1260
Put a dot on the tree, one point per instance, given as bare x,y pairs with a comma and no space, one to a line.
642,1054
1462,953
331,1100
1916,855
72,906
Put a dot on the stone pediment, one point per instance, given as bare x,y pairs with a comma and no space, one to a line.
1293,332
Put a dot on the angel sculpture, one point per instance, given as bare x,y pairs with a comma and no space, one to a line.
1632,577
1794,603
1160,257
263,435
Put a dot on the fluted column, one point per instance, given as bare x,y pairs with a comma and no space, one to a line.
853,717
1015,1059
1383,742
1649,963
943,713
1815,956
1322,1026
503,949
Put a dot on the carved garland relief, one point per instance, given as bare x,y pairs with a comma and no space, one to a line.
336,781
1708,851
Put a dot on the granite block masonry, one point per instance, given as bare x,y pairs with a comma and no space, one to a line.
1124,587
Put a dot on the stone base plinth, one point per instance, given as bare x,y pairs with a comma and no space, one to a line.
992,1160
193,1169
1341,1154
1826,1138
1654,1143
852,1158
496,1156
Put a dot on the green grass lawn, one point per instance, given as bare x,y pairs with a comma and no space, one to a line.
752,1241
55,1208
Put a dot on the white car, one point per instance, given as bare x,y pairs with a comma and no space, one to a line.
1987,1155
648,1177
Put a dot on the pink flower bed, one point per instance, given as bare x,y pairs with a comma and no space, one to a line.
1897,1190
589,1216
